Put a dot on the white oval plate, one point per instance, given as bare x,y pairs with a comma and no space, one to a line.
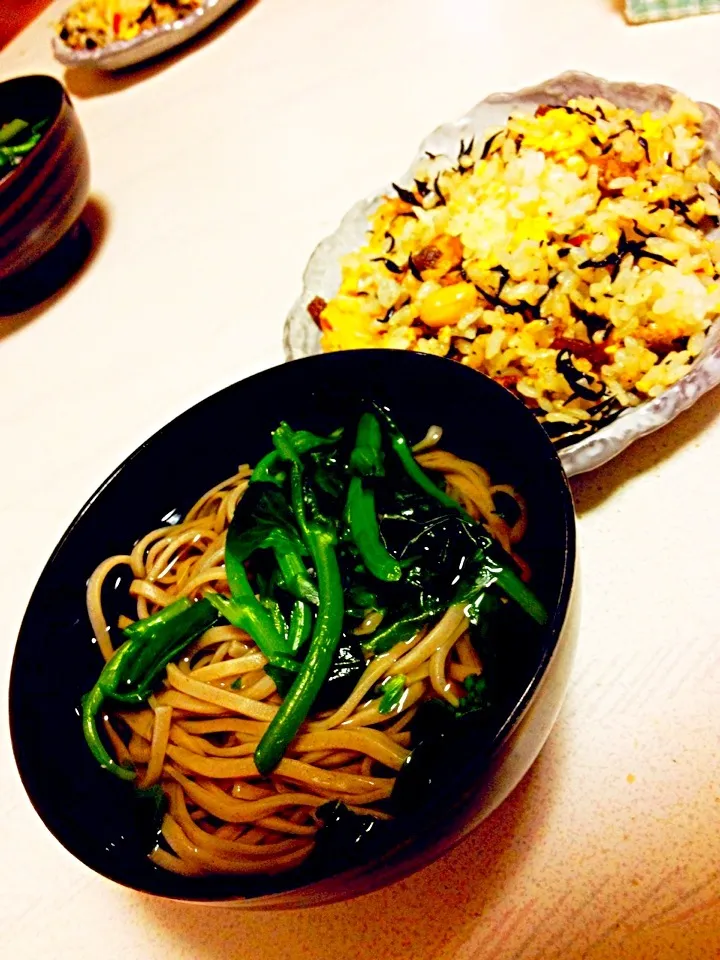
146,45
322,274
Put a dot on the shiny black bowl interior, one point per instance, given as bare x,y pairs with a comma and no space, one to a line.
97,817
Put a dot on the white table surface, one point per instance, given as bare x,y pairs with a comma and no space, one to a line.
213,176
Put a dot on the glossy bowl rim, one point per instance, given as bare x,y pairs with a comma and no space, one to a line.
554,629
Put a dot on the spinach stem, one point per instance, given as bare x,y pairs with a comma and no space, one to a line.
320,539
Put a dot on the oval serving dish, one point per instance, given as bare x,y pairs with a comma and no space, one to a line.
147,44
322,274
96,816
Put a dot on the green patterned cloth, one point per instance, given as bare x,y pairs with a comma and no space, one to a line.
645,11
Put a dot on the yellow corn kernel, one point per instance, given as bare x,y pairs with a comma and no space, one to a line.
697,210
448,305
652,127
576,164
533,228
612,235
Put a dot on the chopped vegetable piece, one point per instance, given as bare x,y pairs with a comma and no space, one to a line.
392,694
17,139
249,614
476,695
131,674
366,460
413,469
300,626
320,538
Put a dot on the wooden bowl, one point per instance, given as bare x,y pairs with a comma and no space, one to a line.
43,196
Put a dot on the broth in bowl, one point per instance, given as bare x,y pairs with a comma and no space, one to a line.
298,632
321,670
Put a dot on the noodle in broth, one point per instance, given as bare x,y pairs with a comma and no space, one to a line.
197,735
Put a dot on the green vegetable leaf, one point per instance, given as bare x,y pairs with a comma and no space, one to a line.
18,138
364,530
156,798
263,521
476,695
271,468
282,678
392,693
9,131
153,642
132,673
320,536
250,615
367,458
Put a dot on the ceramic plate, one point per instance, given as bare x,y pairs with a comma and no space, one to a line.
146,45
322,275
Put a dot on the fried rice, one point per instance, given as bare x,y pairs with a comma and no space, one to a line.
569,256
89,24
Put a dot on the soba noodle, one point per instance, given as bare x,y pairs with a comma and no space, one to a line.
197,735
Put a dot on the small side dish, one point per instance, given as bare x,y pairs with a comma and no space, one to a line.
92,24
44,183
567,254
117,34
17,139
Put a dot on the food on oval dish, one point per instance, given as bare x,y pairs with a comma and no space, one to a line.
89,24
568,256
17,139
297,632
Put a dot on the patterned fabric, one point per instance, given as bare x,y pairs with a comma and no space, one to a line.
645,11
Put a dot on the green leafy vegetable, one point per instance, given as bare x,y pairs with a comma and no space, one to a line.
512,585
271,469
300,626
285,663
263,521
392,693
282,678
10,130
383,640
17,139
131,674
413,469
320,537
366,460
330,529
247,613
157,800
476,695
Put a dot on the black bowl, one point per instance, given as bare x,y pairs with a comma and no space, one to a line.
95,816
